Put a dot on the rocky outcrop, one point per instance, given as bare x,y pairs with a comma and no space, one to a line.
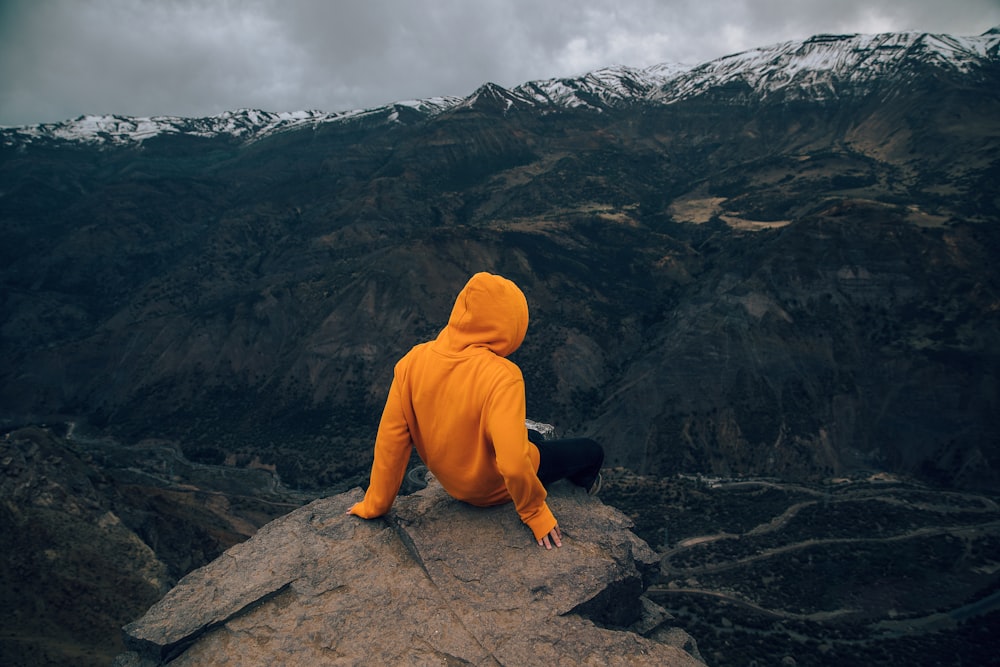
436,582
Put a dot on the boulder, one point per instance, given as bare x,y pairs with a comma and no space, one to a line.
435,582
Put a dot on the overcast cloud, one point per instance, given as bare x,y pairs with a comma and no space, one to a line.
63,58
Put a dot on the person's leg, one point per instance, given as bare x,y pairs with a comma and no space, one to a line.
577,459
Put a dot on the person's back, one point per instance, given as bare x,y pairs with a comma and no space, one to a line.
461,403
464,400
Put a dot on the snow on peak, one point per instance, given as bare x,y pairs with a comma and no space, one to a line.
821,67
119,130
431,105
824,66
240,124
605,87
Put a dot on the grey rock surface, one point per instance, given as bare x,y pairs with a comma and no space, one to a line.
436,582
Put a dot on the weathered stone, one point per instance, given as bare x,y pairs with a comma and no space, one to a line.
435,582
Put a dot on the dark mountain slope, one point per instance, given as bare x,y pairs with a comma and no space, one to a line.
727,282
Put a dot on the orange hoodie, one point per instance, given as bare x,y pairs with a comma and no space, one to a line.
460,402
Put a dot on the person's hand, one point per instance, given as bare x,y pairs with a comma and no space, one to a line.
554,537
350,510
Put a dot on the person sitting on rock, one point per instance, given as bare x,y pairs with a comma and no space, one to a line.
460,402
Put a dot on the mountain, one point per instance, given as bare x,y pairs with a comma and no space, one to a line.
243,125
822,67
779,262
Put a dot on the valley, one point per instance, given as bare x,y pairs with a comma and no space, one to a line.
871,569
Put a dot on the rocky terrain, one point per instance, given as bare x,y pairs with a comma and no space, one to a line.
733,272
436,582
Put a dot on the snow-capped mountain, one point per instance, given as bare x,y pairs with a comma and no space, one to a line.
828,66
243,124
822,67
604,87
727,281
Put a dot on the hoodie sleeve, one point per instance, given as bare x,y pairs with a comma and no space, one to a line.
392,452
510,441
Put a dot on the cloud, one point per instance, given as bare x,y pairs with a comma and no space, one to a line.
63,58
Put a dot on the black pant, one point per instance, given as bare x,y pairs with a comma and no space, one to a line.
577,459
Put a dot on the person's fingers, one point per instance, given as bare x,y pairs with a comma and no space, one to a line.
554,537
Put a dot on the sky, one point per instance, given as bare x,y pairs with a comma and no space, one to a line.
60,59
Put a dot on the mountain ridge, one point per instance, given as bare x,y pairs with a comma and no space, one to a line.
811,68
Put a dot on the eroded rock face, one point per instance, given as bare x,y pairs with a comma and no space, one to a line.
435,582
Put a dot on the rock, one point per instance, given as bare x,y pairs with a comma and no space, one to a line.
436,582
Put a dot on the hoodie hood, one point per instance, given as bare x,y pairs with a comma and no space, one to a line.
490,312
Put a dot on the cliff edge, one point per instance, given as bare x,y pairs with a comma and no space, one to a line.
436,582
